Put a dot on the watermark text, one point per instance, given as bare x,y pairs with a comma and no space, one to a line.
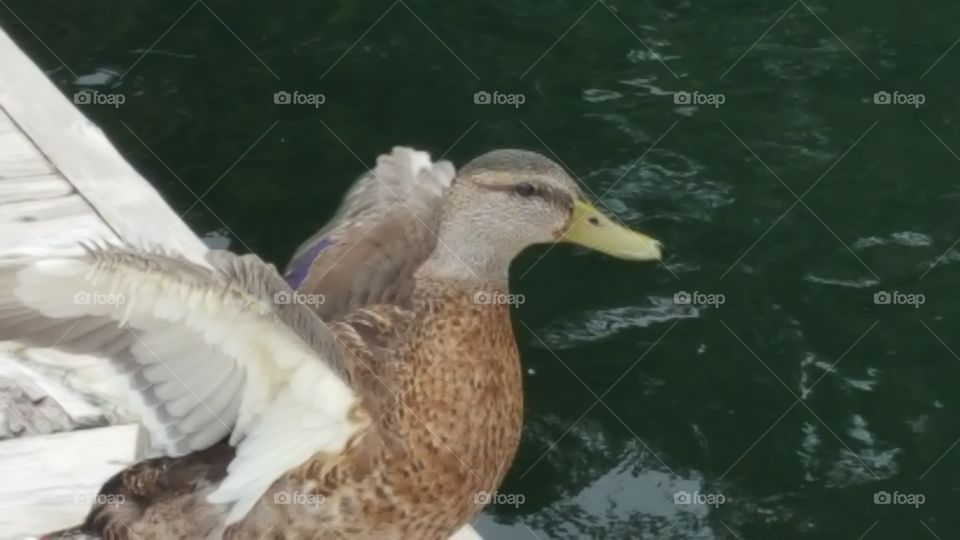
711,499
296,297
485,498
96,298
298,498
699,98
697,298
299,98
909,499
92,97
483,97
497,298
898,98
897,298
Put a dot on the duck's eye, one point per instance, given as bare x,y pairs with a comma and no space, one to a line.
525,189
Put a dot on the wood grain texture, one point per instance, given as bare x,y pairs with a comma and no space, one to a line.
80,151
61,234
44,391
33,187
19,157
6,124
43,209
39,226
50,482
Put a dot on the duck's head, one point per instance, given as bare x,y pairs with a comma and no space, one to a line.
507,200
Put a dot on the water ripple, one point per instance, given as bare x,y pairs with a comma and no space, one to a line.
599,325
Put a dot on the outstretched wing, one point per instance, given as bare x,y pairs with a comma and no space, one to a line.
385,228
206,352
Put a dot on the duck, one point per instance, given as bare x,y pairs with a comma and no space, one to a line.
370,391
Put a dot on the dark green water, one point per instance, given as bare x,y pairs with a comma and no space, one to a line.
797,400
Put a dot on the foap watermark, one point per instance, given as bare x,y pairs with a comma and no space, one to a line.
92,97
699,98
711,499
84,298
897,298
908,499
100,499
485,498
298,98
483,97
697,298
295,297
898,98
496,298
298,498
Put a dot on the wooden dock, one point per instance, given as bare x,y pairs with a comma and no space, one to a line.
62,182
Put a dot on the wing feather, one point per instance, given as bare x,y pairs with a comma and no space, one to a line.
206,352
385,228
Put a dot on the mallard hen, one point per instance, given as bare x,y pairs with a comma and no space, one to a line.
372,397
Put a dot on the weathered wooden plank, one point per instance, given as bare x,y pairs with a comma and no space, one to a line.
6,124
56,224
33,187
19,157
81,152
44,391
60,235
50,482
44,209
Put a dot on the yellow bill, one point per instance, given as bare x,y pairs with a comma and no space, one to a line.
590,228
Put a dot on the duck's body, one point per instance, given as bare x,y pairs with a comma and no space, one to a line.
437,439
456,375
386,412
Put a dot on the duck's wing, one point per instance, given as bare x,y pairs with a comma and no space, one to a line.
385,228
207,351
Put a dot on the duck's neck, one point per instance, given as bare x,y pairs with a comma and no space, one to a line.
464,255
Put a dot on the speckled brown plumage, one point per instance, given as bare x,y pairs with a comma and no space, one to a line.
443,383
422,375
157,488
448,421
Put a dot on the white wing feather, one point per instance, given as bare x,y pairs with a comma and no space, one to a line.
202,356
